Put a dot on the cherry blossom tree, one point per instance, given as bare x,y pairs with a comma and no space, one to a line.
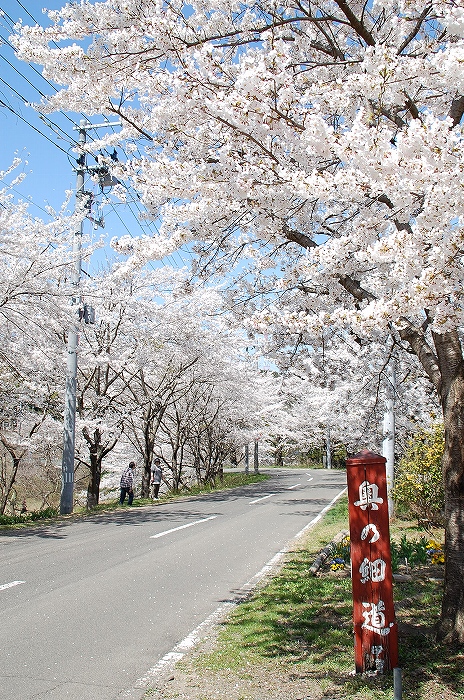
160,355
153,393
106,349
114,354
340,394
195,385
34,261
321,143
223,410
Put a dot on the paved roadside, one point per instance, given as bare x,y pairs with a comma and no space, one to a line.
178,675
102,600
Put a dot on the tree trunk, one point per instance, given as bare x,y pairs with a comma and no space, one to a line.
445,369
256,458
96,456
146,481
8,481
93,488
146,475
152,417
279,456
97,451
8,486
451,625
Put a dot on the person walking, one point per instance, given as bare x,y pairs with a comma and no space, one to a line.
127,484
156,476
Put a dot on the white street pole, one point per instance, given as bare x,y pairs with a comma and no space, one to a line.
388,444
67,467
256,458
328,448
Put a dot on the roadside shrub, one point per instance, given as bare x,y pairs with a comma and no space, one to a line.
414,553
418,489
28,517
410,553
12,519
44,513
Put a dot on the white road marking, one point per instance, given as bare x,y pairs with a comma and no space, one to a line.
261,499
182,527
323,512
166,665
311,478
10,585
292,487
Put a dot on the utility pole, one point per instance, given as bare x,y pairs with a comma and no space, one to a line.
328,449
69,431
388,444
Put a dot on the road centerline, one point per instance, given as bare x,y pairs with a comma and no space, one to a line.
293,487
4,586
261,499
165,666
182,527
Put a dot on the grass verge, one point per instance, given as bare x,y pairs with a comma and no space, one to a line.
293,639
231,480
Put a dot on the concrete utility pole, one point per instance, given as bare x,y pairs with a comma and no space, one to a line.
388,444
328,448
69,430
247,459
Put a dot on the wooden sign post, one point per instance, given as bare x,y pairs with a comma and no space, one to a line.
375,629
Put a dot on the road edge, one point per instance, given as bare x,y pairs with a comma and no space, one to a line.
163,670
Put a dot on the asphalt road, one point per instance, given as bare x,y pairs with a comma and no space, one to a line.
87,608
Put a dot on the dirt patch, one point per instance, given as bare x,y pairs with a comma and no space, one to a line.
286,679
272,682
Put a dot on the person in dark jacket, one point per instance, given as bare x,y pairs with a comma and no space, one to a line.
127,484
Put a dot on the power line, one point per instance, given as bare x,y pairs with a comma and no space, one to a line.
42,94
173,261
41,115
2,103
53,125
27,11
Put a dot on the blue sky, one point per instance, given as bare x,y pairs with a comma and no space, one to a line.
49,170
48,158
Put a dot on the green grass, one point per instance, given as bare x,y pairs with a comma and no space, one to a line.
27,518
304,624
230,480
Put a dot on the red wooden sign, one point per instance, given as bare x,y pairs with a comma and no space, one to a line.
375,629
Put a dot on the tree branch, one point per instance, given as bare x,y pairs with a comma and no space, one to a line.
456,110
415,29
354,288
357,25
296,237
418,344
